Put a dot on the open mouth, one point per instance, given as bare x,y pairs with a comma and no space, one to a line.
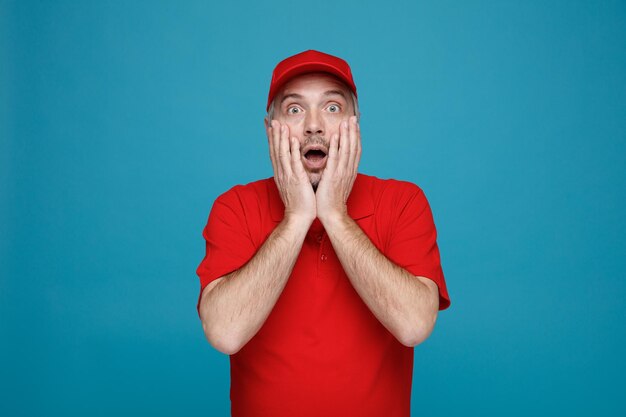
315,158
315,155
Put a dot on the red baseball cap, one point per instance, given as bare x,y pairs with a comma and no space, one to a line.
309,61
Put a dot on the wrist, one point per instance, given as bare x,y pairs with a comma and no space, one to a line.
333,218
298,221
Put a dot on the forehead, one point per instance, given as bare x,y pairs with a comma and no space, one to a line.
314,83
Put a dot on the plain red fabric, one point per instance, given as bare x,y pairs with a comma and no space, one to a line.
321,352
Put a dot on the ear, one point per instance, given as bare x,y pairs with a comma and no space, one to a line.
266,121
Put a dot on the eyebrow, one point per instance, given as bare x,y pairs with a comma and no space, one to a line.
292,95
326,94
335,92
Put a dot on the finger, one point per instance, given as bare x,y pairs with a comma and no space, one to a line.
354,147
333,153
275,145
352,139
357,158
270,147
344,145
296,161
284,153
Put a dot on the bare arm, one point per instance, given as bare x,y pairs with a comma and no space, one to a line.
235,309
406,305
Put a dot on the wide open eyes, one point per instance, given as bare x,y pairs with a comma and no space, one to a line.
294,110
332,108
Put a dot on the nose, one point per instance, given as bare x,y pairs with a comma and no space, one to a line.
313,124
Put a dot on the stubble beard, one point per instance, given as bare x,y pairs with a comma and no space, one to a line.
315,140
314,185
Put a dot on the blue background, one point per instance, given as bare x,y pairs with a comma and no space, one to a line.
121,122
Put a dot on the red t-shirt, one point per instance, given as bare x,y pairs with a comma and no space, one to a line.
321,351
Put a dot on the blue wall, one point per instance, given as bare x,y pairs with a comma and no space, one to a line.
122,121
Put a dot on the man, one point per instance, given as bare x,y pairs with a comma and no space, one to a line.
319,281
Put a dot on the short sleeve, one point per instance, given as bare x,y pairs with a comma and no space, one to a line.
413,242
228,242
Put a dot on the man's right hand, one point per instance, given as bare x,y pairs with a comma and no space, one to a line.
291,179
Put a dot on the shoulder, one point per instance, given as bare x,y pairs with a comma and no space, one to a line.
390,191
246,195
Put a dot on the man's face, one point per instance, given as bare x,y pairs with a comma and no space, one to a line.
313,107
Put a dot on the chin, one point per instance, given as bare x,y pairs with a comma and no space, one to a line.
315,180
314,184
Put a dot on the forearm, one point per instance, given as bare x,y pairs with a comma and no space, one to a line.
234,311
399,300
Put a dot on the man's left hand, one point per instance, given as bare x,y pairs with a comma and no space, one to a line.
338,177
